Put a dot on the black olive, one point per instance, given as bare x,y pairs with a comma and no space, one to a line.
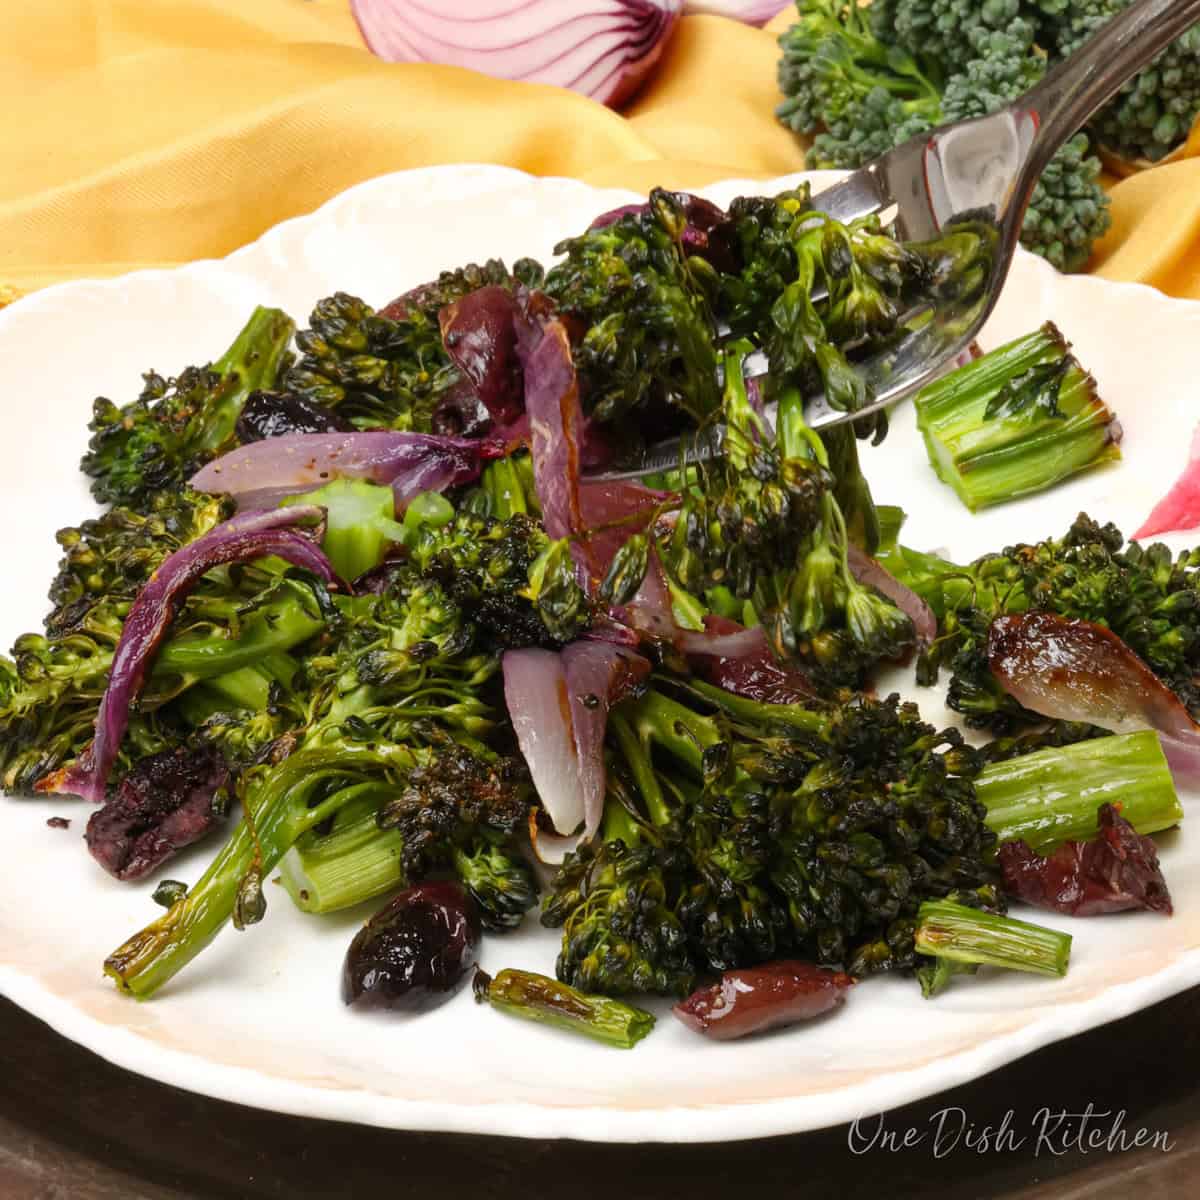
415,952
274,414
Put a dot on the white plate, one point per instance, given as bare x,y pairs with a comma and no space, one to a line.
257,1018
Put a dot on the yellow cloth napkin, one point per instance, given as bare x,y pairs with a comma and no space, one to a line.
152,132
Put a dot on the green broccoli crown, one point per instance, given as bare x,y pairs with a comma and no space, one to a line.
157,442
763,830
842,82
641,303
112,556
1154,112
866,79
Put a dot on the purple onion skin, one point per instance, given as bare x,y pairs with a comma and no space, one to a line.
415,952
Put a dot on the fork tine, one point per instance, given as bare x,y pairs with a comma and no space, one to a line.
859,195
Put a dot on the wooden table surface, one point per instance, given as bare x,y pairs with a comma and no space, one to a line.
73,1126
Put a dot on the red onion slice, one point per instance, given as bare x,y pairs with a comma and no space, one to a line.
287,466
559,705
603,49
556,421
243,537
480,336
1077,671
866,570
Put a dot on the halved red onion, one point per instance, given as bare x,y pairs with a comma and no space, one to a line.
243,537
1077,671
866,570
603,49
750,12
558,705
286,466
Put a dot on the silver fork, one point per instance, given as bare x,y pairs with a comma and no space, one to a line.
982,171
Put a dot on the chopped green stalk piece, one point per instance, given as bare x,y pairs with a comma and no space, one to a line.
430,509
539,998
1052,795
360,523
1016,421
952,931
354,861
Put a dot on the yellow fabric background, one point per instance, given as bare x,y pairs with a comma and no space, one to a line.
151,132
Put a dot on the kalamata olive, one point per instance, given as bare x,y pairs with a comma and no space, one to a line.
752,999
415,952
274,414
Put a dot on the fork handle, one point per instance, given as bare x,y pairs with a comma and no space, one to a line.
1071,92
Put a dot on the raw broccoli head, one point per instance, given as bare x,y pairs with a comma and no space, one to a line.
860,93
1154,112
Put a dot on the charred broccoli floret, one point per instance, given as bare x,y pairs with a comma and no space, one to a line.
740,831
111,556
156,443
642,304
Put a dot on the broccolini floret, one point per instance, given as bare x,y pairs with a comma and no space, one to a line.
160,440
740,832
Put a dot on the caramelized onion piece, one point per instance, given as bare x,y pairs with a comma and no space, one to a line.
1114,871
755,999
1077,671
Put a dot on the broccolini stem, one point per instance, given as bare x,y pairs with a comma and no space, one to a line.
661,721
252,363
1016,421
246,687
793,715
278,799
502,483
644,776
284,621
969,935
539,998
792,434
619,825
1052,796
354,861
